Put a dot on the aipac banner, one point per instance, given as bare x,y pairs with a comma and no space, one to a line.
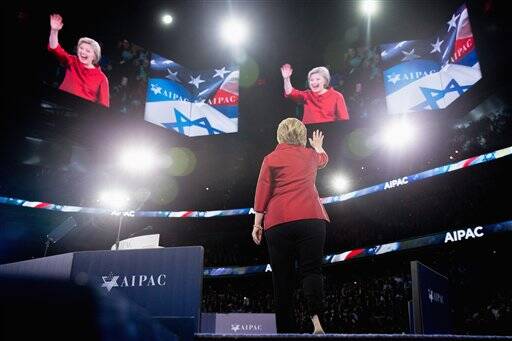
192,103
430,74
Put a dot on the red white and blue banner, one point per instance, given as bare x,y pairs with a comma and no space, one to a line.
193,103
384,186
430,74
458,235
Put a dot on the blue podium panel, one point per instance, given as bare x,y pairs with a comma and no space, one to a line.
53,267
166,281
431,309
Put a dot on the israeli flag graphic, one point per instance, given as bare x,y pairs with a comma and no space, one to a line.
430,74
190,102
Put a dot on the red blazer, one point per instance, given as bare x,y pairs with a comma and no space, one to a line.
91,84
328,107
286,188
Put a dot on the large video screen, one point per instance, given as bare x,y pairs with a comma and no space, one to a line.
404,76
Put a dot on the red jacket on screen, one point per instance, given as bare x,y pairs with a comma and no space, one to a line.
91,84
327,107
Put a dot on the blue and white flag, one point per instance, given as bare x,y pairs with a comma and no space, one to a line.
430,74
190,102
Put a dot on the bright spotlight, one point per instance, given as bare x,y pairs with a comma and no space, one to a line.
138,160
115,199
398,134
167,19
369,7
234,32
340,183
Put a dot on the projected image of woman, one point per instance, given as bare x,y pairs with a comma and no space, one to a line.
321,102
289,210
83,77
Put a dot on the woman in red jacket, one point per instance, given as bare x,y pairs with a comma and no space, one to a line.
321,102
83,77
288,206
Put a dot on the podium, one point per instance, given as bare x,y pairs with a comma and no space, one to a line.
166,282
429,311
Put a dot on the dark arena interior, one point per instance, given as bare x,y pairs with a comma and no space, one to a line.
133,221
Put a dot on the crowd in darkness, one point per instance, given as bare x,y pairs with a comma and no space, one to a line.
371,296
130,71
368,305
360,81
351,307
480,128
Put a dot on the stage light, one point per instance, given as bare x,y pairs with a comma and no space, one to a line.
340,183
167,19
139,160
114,199
369,7
234,31
398,134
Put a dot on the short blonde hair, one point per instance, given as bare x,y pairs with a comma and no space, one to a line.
292,131
95,48
322,71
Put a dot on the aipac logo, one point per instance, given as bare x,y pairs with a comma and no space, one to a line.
435,296
112,281
248,327
109,282
396,182
458,235
123,213
409,76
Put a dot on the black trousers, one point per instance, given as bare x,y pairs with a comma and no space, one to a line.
302,241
